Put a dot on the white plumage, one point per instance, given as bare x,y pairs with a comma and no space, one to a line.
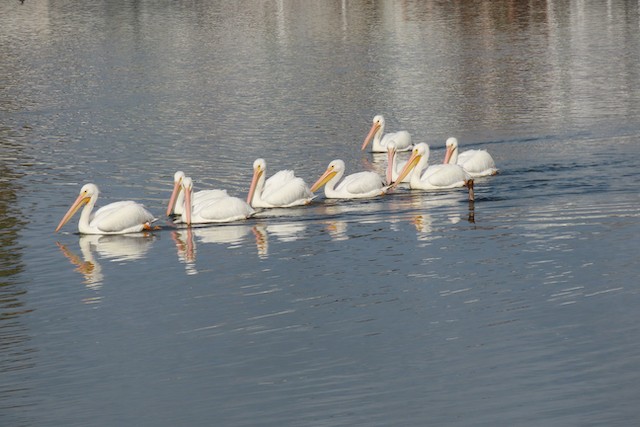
476,163
176,201
215,210
359,185
402,138
435,177
282,190
114,218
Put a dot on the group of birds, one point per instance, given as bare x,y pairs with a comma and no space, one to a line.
284,189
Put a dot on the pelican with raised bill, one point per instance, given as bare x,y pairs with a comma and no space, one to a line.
359,185
430,178
176,202
216,210
115,218
393,167
401,138
477,163
282,190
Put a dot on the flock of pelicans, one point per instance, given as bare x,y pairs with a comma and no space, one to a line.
284,189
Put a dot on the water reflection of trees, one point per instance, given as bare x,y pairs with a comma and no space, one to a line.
15,351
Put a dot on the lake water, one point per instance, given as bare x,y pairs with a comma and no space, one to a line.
410,309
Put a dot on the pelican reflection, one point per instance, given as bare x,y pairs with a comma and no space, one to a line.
187,240
115,248
284,232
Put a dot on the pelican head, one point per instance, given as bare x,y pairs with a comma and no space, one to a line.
259,168
335,167
187,187
177,187
452,147
87,193
419,152
378,125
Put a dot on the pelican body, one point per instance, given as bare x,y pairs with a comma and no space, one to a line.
115,218
359,185
476,163
436,177
216,210
402,139
176,202
282,190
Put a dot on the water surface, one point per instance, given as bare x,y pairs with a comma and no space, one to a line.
411,309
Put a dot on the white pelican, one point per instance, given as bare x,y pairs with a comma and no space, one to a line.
220,209
355,186
435,177
402,138
282,190
176,202
393,168
476,163
114,218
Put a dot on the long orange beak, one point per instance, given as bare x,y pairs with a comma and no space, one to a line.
81,200
326,177
372,131
174,196
448,154
257,172
411,163
187,206
391,153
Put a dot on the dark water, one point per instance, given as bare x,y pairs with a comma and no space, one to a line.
412,309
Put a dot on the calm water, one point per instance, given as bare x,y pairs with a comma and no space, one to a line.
411,309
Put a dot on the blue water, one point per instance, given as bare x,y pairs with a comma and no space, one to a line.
409,309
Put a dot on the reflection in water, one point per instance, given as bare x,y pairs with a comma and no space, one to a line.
477,307
115,248
16,352
85,265
231,236
185,240
186,249
337,229
337,211
284,232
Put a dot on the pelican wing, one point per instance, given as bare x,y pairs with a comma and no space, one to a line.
222,210
445,175
118,217
402,139
111,207
477,162
284,188
362,182
209,194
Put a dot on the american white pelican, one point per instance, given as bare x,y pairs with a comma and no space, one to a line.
282,190
114,218
355,186
220,209
176,202
476,163
402,138
435,177
393,168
